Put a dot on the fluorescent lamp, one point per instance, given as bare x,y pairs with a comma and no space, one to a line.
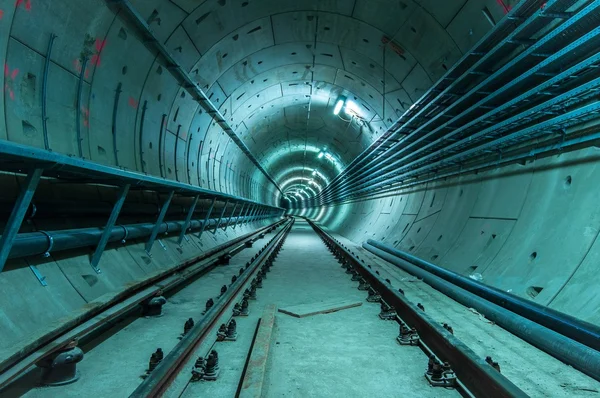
339,105
321,154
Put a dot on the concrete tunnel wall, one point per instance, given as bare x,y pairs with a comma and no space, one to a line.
254,60
530,229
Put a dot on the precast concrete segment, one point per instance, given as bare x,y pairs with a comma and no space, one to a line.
347,353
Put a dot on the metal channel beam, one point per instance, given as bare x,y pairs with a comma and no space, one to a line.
136,22
159,220
16,216
109,226
15,157
188,219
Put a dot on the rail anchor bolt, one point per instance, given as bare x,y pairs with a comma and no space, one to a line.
153,307
60,367
387,313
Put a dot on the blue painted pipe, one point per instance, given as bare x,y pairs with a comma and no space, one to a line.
569,326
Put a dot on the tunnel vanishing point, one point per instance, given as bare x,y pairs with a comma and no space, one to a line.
446,153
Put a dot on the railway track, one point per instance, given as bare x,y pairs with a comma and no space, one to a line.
119,340
305,314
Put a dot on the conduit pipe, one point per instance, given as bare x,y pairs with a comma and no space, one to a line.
580,356
39,243
576,329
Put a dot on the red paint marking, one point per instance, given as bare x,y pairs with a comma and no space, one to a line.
99,46
1,13
505,7
26,3
132,102
86,116
8,84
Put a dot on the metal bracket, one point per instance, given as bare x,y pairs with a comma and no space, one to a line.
38,275
46,254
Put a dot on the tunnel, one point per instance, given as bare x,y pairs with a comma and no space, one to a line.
393,198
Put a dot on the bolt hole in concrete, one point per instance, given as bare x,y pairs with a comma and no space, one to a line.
568,181
159,97
439,238
122,34
411,248
533,291
124,70
533,256
159,70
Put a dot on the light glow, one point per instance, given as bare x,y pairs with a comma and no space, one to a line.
341,101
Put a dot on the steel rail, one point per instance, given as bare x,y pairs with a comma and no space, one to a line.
573,353
162,376
120,305
478,377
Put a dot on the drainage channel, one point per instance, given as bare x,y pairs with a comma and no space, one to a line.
125,341
451,363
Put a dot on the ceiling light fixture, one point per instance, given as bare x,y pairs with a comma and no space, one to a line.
341,101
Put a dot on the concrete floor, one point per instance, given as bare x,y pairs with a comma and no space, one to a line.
350,353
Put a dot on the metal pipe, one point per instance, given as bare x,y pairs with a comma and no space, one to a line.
581,331
581,357
36,243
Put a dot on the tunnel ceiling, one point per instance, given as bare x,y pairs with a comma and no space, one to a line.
276,68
